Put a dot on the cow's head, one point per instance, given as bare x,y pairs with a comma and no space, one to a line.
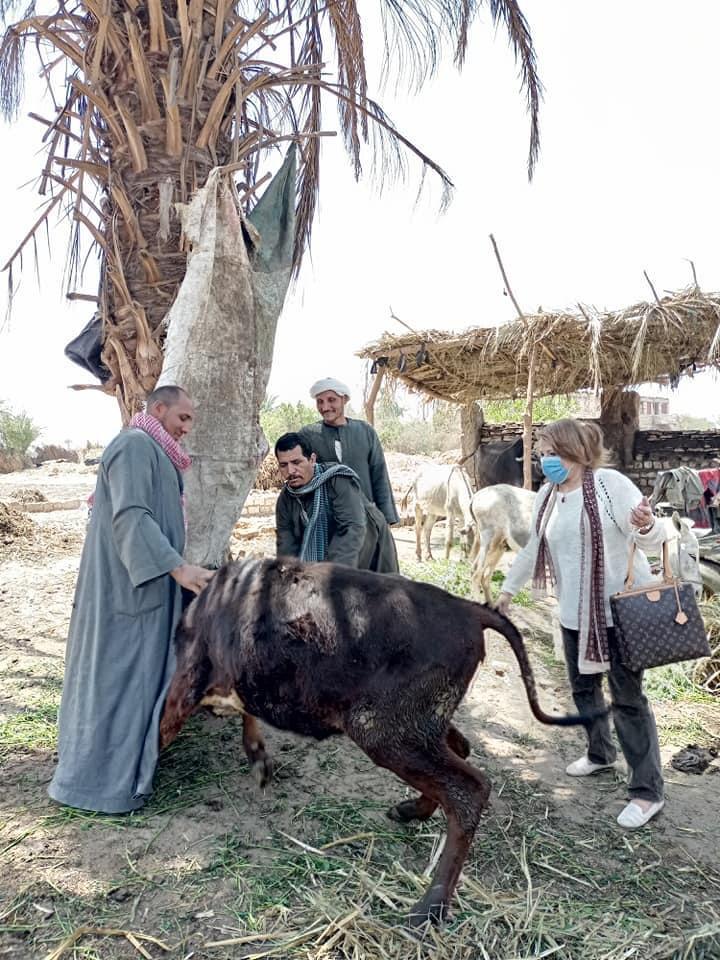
537,477
685,553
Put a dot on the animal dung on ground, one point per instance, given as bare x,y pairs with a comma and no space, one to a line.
695,759
28,495
13,524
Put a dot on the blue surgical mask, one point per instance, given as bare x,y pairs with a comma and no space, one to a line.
553,469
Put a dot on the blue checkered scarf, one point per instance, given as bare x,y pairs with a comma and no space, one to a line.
315,538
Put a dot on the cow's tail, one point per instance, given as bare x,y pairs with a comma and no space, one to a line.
404,501
496,621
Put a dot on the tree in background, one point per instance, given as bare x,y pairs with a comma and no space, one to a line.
545,409
17,431
684,421
278,418
436,433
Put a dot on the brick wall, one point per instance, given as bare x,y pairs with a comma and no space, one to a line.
260,503
654,450
503,431
657,450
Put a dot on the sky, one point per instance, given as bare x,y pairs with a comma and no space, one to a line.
627,181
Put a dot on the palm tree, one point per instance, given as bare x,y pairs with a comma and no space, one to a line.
147,97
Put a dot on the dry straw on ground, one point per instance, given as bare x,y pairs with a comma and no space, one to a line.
664,339
13,524
268,476
28,495
706,672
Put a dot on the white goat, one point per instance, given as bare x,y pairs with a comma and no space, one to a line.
441,490
684,550
502,515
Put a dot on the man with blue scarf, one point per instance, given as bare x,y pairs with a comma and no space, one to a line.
322,514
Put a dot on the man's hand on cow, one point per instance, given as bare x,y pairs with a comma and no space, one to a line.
502,604
192,577
642,516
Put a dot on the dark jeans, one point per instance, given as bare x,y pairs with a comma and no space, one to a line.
632,716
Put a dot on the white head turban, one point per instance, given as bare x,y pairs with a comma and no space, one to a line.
329,383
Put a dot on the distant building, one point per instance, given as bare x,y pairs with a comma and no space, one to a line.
654,411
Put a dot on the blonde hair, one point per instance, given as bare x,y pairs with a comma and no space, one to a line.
580,441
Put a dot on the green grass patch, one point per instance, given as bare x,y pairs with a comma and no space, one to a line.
451,575
522,598
29,731
454,576
678,727
192,771
674,682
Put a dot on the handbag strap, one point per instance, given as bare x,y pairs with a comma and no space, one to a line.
630,576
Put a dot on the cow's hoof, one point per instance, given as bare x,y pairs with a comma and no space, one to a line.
432,908
262,770
408,810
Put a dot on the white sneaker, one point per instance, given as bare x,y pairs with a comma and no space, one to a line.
584,767
634,816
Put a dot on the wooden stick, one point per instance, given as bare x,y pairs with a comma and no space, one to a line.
528,411
657,298
508,288
407,326
372,397
70,941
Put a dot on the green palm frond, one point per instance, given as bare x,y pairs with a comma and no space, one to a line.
518,30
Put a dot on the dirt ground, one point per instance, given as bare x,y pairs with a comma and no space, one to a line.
213,859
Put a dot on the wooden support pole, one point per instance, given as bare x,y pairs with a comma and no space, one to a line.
471,424
529,395
528,420
372,397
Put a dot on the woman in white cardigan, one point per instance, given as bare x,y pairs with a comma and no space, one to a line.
582,522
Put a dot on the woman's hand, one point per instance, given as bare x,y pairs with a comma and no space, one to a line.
502,604
642,517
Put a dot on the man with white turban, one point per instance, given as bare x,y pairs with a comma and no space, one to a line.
340,439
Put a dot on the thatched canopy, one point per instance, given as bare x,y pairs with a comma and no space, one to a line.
576,350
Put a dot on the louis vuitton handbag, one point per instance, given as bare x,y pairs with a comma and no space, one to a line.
658,623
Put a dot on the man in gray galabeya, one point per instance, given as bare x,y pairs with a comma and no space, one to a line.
120,656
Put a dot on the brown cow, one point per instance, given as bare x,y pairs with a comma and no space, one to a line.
323,649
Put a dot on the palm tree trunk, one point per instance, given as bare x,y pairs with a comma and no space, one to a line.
221,332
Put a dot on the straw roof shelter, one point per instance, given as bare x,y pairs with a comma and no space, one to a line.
574,350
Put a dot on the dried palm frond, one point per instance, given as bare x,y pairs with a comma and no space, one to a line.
589,349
